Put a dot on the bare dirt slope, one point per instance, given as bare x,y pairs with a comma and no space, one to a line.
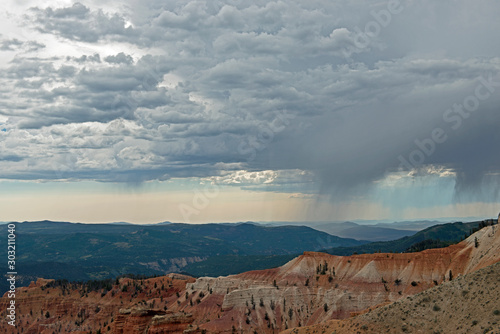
468,304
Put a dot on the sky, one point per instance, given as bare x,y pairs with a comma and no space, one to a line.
218,111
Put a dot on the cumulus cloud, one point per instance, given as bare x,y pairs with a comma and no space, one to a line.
152,90
15,44
79,23
120,58
10,44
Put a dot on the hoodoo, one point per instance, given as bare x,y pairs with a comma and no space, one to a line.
310,289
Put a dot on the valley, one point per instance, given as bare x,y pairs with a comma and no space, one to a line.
311,289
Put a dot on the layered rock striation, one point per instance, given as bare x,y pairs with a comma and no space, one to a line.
311,289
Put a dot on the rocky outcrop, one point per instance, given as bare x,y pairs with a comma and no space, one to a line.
173,264
129,306
144,319
317,287
467,304
311,289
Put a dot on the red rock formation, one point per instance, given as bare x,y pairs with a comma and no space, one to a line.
310,289
345,285
129,306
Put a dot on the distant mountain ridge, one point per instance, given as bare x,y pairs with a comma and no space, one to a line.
364,232
77,251
445,233
312,289
436,236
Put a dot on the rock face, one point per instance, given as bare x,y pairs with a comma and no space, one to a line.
467,304
131,306
311,289
144,319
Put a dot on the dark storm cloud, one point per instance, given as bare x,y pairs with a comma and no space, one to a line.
200,83
63,94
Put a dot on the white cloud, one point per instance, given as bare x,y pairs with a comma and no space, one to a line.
144,90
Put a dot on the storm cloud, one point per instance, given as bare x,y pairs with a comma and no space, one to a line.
344,92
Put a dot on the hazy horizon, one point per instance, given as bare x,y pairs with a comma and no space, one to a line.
277,223
199,111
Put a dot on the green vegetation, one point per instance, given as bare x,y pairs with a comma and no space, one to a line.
83,252
224,265
80,252
437,236
428,244
432,237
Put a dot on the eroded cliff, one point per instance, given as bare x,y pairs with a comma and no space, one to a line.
311,289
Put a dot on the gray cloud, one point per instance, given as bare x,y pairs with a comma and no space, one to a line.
78,22
120,58
198,84
85,58
10,44
15,44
